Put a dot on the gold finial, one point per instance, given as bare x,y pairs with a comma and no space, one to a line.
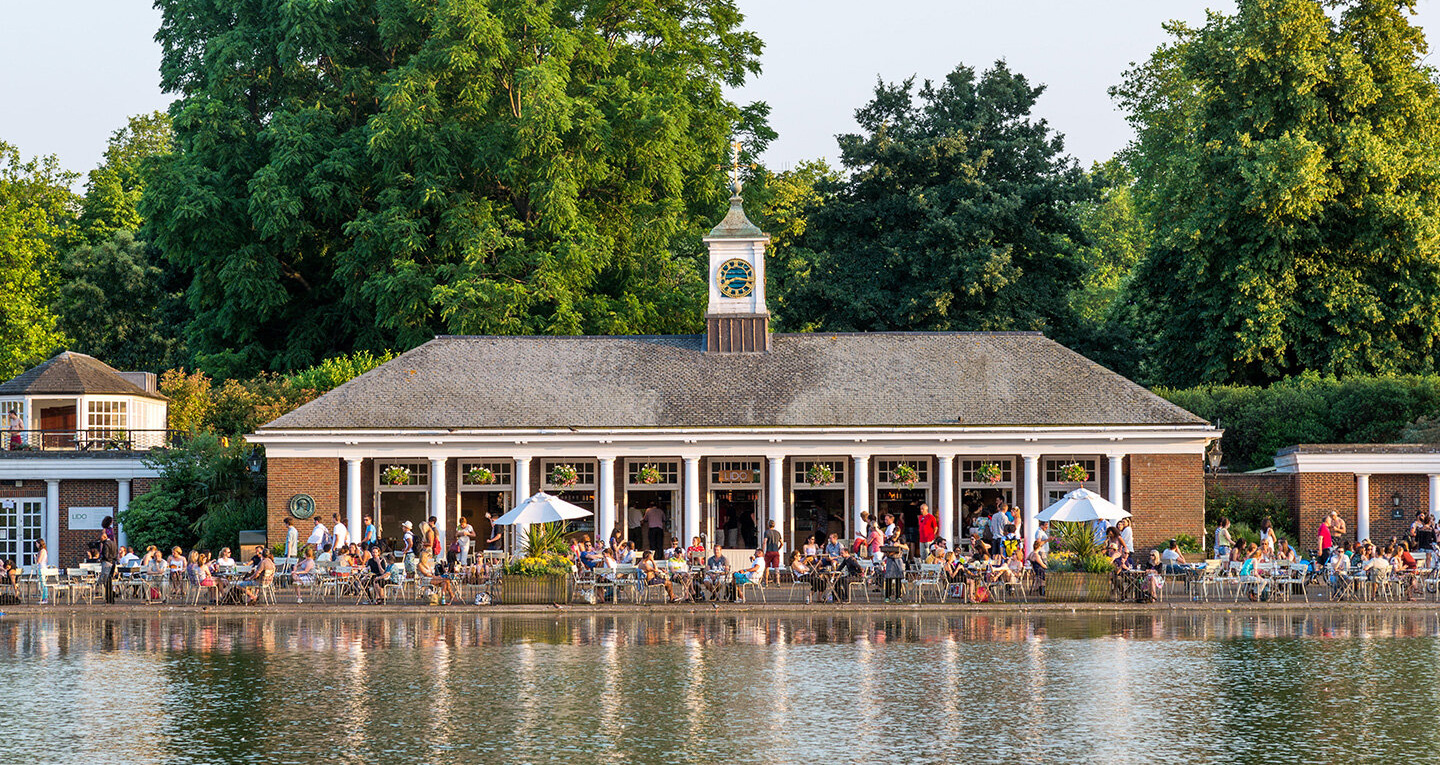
736,167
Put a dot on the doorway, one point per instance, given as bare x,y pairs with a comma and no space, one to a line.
396,507
737,514
904,504
580,526
636,503
818,512
20,530
475,504
58,424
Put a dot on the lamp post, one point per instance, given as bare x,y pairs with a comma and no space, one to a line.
1213,455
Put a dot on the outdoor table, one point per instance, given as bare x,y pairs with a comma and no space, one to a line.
1129,584
827,579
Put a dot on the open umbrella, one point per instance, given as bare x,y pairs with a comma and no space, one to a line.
542,508
1082,505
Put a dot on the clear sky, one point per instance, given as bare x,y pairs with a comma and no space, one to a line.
73,70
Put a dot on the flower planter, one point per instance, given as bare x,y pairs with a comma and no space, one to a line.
541,590
1077,587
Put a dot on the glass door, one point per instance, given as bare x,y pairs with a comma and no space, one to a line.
20,530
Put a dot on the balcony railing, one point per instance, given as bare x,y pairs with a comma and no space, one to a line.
86,440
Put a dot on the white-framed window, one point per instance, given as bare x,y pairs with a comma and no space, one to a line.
584,472
668,470
20,530
801,473
503,473
735,474
885,470
418,478
1054,487
968,469
105,416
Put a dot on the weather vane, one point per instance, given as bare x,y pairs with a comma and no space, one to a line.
736,167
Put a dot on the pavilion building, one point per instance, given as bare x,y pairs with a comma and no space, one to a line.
730,429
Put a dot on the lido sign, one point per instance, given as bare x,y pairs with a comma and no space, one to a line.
88,518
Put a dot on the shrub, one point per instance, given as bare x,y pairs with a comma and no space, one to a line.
545,564
1250,510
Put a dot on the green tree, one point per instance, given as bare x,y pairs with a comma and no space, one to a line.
360,175
789,198
1286,164
37,211
204,496
957,214
108,299
113,190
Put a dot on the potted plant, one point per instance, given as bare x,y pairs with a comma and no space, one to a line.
904,475
543,574
396,475
1074,473
820,474
1079,571
647,474
480,476
564,476
988,472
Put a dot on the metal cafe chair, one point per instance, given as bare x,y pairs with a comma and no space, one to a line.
78,580
927,579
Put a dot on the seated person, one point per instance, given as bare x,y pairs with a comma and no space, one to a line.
695,553
379,575
128,558
811,550
592,556
716,571
833,547
849,570
325,556
1172,561
425,569
305,569
224,560
261,573
755,572
627,554
653,576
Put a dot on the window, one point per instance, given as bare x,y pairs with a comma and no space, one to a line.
886,469
969,480
734,473
584,473
669,472
1056,487
20,530
801,478
105,416
418,478
502,474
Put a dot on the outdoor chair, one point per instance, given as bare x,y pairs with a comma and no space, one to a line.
927,579
78,580
195,588
399,584
757,586
1199,586
863,582
54,586
627,579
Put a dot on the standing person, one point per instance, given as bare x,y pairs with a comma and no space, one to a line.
1338,530
654,528
894,576
341,534
1040,558
635,522
370,538
496,540
466,536
318,534
1127,536
1324,539
929,527
42,559
15,427
773,545
1223,540
407,546
435,542
108,555
292,539
862,533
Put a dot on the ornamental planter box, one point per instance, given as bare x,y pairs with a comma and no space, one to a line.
534,590
1077,587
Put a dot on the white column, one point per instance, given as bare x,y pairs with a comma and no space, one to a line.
862,490
605,499
522,493
776,495
1435,496
1362,507
52,518
122,503
1032,499
353,497
945,497
1117,479
438,492
692,500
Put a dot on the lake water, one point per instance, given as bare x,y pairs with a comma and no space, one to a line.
465,687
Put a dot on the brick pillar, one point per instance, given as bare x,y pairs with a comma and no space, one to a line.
1167,497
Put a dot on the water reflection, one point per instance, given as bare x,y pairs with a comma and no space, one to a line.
471,687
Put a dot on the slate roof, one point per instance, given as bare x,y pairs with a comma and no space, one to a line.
807,380
71,374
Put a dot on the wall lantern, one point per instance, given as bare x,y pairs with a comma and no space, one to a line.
1395,511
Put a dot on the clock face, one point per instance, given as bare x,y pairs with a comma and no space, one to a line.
735,278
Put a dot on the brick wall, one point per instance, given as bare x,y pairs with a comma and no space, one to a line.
1316,494
1414,491
89,493
1167,497
1282,486
320,477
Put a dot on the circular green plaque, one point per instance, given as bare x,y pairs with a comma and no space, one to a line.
302,506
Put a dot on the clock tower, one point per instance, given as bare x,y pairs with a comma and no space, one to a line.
737,320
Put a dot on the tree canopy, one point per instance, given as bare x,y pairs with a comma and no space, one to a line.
360,174
1286,162
37,213
956,214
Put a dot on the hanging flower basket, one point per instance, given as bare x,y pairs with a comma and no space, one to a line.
820,474
988,472
1074,473
904,475
480,476
648,475
564,476
396,475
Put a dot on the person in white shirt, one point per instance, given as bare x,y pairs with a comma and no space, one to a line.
998,521
317,535
755,572
342,534
225,561
1042,539
1127,536
129,559
292,539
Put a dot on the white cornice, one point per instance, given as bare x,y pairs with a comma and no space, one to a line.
1361,463
73,468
